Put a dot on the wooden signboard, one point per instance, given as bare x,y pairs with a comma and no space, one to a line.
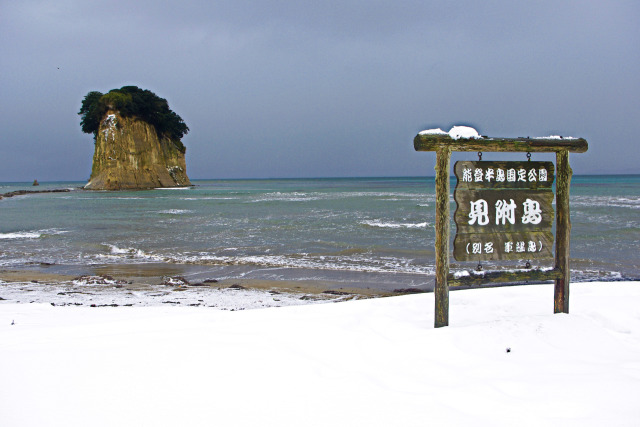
532,182
504,210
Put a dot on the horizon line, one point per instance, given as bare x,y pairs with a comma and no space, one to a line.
314,177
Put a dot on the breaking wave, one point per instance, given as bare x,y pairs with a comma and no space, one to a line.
175,211
31,234
386,224
364,262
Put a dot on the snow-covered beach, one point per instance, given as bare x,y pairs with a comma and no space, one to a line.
505,359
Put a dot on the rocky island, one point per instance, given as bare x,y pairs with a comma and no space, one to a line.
137,140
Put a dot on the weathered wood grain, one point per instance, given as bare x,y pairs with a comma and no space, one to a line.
431,142
441,291
478,279
563,232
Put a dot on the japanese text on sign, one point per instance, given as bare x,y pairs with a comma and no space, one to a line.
504,210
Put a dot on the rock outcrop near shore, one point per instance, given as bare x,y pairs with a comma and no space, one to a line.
130,155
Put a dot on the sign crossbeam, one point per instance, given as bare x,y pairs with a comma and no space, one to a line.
444,145
480,278
431,142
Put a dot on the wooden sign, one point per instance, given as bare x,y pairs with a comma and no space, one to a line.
486,178
504,210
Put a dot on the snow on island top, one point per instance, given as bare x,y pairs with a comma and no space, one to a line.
456,132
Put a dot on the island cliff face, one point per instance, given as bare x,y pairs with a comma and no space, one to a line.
130,155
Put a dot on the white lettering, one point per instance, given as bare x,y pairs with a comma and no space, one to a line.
532,212
522,175
489,174
542,175
479,212
500,175
505,211
466,175
488,248
532,175
511,175
478,175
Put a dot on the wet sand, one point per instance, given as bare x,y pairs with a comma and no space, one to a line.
153,286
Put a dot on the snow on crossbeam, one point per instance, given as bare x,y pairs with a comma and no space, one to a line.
431,141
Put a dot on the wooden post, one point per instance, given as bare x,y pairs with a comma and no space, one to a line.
563,231
441,290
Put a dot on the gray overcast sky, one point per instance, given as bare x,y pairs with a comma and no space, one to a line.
321,88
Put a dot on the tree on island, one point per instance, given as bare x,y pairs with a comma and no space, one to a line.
131,101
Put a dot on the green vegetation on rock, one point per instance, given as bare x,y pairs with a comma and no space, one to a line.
131,101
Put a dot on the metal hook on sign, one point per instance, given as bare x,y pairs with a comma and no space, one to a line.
528,156
527,265
480,156
479,267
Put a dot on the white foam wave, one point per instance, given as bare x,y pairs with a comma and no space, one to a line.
608,201
173,188
116,252
382,224
305,197
339,263
208,198
286,197
30,234
393,195
360,263
20,235
175,211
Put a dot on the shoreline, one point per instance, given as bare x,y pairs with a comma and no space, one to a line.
153,289
158,285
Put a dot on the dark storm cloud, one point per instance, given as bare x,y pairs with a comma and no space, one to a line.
309,88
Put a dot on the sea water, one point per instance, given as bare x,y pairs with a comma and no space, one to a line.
362,232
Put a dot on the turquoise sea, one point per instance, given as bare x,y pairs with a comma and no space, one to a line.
359,232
